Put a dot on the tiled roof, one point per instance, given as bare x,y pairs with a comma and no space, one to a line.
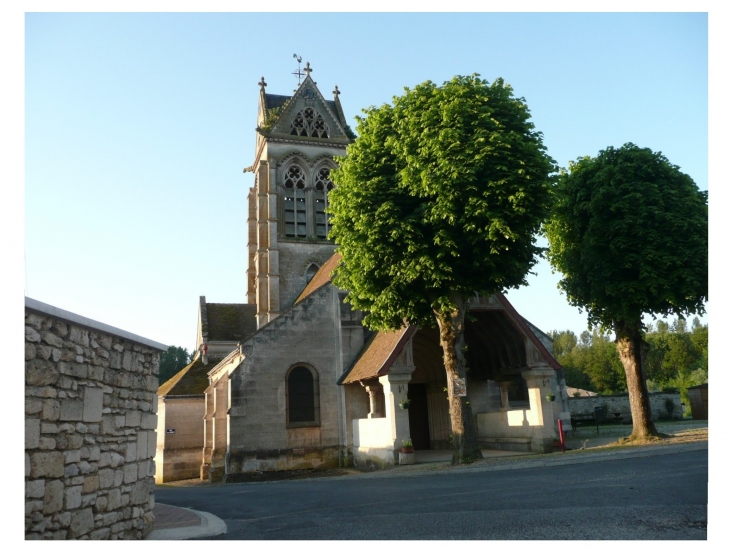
230,322
191,380
378,354
321,277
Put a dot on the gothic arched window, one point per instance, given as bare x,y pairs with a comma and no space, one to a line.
322,187
309,123
302,396
311,271
295,203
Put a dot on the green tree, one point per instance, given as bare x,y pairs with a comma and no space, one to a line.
438,198
629,234
171,361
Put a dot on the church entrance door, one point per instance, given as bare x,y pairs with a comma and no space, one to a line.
418,416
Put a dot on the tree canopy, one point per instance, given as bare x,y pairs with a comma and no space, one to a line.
629,233
442,192
440,196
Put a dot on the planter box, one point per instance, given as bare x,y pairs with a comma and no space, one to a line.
406,458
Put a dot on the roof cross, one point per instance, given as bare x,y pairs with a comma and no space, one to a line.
308,69
262,84
336,91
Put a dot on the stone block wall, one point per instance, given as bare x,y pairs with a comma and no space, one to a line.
620,404
90,424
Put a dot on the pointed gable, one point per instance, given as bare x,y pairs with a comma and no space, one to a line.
306,115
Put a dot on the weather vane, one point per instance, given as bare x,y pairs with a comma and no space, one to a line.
298,72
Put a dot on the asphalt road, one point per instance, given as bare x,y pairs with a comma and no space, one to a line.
657,497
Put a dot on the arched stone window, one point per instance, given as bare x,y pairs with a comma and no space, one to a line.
309,122
302,397
322,187
295,203
311,271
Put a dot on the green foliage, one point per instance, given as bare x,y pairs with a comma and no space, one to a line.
172,361
674,361
441,193
629,234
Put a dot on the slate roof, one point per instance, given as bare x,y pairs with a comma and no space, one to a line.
321,277
192,380
230,322
278,100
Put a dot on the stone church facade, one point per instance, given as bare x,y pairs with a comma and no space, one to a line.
292,379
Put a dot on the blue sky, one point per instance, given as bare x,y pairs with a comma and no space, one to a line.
138,126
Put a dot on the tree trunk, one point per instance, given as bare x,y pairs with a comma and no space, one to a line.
632,349
464,437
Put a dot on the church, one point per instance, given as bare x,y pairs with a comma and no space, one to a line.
292,379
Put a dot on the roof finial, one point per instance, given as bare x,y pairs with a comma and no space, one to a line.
262,84
308,69
336,91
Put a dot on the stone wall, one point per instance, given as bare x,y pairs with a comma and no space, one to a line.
620,404
89,428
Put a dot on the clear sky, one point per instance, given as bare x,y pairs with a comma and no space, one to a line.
138,127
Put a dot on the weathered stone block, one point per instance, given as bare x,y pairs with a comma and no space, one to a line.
51,410
91,484
53,497
32,335
96,373
79,336
106,478
133,418
142,445
82,522
33,406
71,410
75,441
127,360
30,351
131,452
72,456
118,478
47,443
27,465
32,433
73,497
101,534
140,492
47,464
35,488
93,403
51,339
39,372
149,421
151,443
130,473
114,501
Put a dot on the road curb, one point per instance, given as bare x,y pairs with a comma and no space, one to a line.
210,525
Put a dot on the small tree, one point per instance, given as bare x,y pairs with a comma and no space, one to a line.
172,361
629,234
438,198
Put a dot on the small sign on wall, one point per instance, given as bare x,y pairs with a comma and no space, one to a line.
170,431
459,387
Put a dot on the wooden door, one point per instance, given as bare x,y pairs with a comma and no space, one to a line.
418,416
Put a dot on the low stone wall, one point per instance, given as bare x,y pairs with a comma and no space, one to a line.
620,404
89,428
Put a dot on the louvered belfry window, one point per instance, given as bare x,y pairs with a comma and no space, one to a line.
301,396
309,122
295,203
322,187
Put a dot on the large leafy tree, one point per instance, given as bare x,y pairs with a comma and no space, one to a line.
629,234
438,198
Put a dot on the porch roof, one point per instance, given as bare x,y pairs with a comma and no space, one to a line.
378,355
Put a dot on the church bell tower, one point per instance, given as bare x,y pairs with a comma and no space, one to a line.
297,138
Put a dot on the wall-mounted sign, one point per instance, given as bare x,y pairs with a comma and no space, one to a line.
170,431
459,387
